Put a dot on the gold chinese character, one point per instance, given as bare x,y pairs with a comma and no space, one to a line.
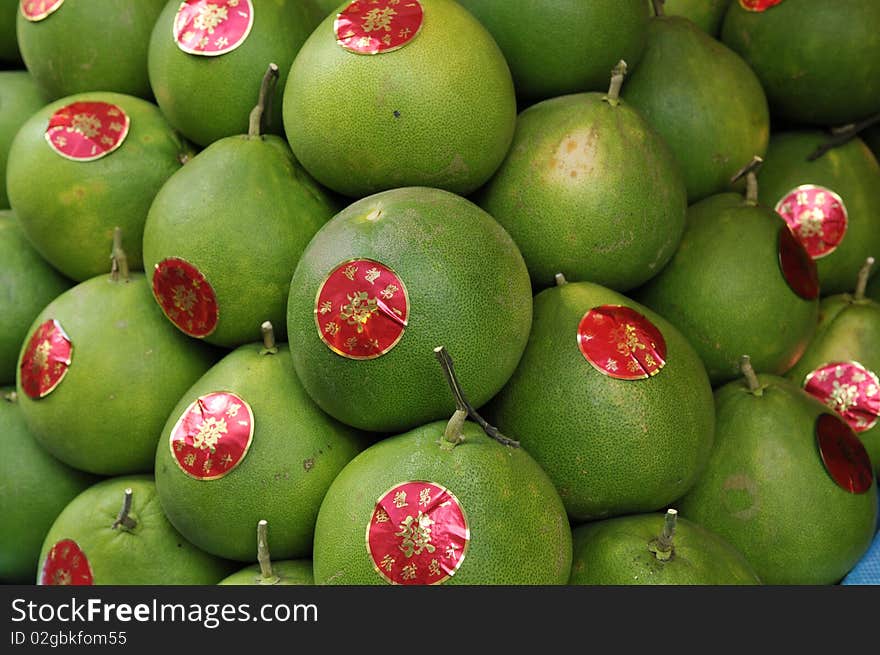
378,19
424,496
326,307
371,275
203,43
388,292
206,467
409,572
434,567
226,460
350,271
351,343
331,328
415,533
60,141
41,355
387,562
106,140
381,516
400,499
86,124
450,551
210,432
189,459
359,309
232,411
116,127
210,16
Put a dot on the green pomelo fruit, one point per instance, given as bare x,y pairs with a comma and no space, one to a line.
564,47
725,290
519,534
267,572
438,112
150,552
705,14
19,100
34,488
591,190
27,285
9,53
703,99
99,45
241,212
66,207
611,446
325,7
852,172
128,368
208,98
767,492
818,62
630,550
467,288
295,453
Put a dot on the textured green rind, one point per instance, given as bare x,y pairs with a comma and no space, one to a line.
290,572
153,553
589,190
519,534
9,53
363,124
128,368
208,98
704,100
852,172
69,209
296,452
766,491
20,98
610,446
34,488
818,62
27,285
726,293
99,45
241,211
567,46
616,552
468,290
705,14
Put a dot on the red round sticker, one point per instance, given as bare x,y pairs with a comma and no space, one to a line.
46,360
843,455
66,564
86,131
361,309
849,389
418,534
621,343
186,297
213,435
37,10
816,216
371,27
212,28
758,5
798,268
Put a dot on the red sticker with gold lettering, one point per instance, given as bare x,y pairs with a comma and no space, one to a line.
212,27
816,216
361,309
46,360
213,435
37,10
621,343
371,27
66,564
418,534
843,455
849,389
88,130
798,268
758,5
186,297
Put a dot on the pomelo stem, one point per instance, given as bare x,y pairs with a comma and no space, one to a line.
453,432
745,365
260,114
750,171
663,546
123,519
658,7
118,258
461,402
268,576
269,346
842,135
862,281
560,280
617,76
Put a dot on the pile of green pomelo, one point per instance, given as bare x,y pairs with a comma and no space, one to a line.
481,292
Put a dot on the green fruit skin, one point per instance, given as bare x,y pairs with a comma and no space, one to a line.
19,99
296,452
589,190
705,14
288,572
27,285
848,331
704,100
34,488
364,124
9,53
818,62
610,446
128,368
513,512
241,211
152,553
616,552
208,98
766,491
63,203
726,293
99,45
438,244
552,57
852,172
